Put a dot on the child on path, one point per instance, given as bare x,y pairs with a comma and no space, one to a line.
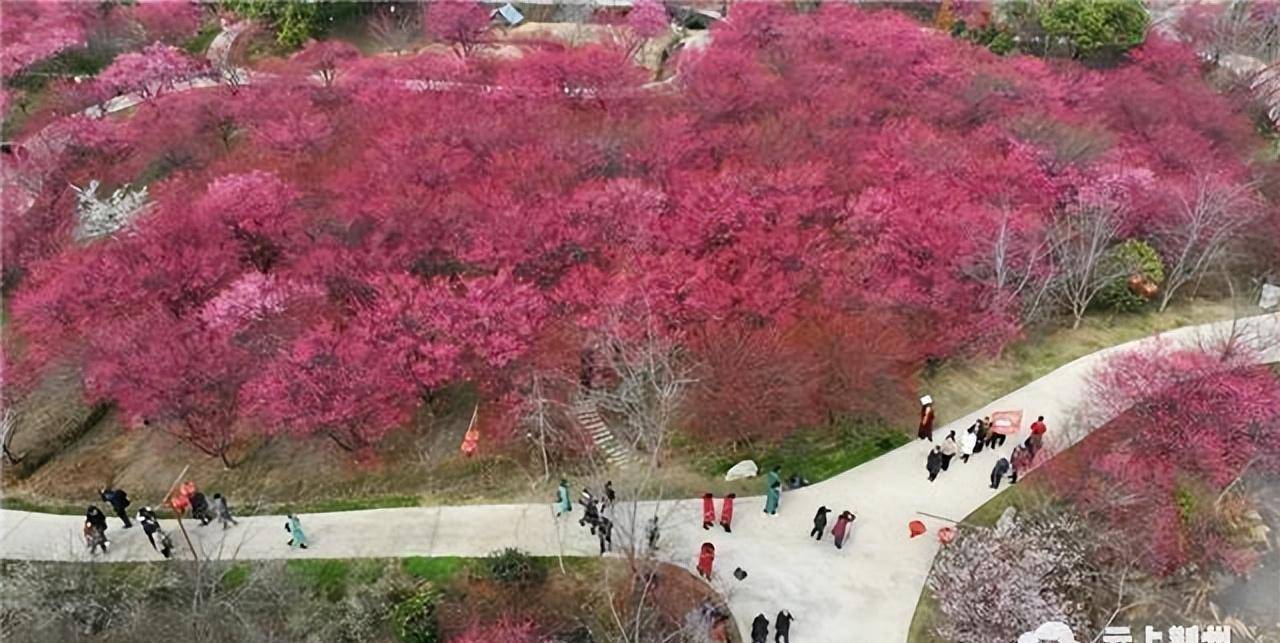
726,512
819,523
298,538
708,510
839,531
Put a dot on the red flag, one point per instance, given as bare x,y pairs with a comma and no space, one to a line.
472,438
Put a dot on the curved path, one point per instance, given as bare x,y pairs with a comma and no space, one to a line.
867,592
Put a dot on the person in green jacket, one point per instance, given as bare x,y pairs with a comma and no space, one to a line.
563,504
294,527
773,491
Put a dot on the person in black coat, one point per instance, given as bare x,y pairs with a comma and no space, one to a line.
150,525
782,627
95,517
200,508
759,629
934,463
997,472
119,501
819,523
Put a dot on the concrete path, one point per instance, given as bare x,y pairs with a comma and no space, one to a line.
867,592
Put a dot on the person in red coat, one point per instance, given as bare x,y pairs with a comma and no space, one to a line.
926,419
842,525
726,512
706,558
708,510
1037,435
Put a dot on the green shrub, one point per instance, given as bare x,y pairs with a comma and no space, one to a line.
414,618
295,22
1091,27
514,567
1133,257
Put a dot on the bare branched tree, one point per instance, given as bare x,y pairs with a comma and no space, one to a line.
1079,241
1018,268
1203,230
396,26
652,376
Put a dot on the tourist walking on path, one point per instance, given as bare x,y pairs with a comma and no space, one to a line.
773,495
94,537
1036,440
841,529
1021,461
297,537
982,429
726,513
759,629
200,507
605,532
652,534
782,627
925,432
147,518
934,463
563,504
967,442
222,511
998,472
119,501
708,510
994,437
706,558
949,450
819,523
609,496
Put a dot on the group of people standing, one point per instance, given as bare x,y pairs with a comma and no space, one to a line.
593,513
187,497
979,436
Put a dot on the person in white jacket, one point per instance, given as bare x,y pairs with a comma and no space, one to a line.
967,442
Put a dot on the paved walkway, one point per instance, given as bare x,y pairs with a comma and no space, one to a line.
867,592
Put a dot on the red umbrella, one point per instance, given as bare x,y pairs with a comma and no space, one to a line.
916,528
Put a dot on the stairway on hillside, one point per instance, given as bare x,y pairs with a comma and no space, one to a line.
614,451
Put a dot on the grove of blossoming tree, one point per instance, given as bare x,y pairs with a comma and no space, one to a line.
349,236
